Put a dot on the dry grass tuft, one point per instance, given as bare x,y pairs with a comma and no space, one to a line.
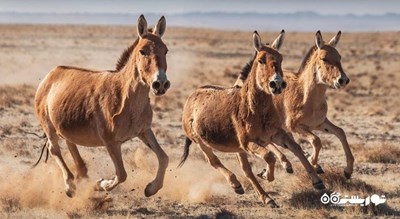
225,214
384,153
11,96
74,215
10,205
305,197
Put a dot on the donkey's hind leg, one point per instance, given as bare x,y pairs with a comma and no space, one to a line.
79,163
55,152
216,163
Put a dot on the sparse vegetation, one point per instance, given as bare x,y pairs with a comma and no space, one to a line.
367,111
379,153
306,198
10,205
11,96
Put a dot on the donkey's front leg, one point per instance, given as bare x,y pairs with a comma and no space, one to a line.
269,158
329,127
244,163
114,150
266,173
150,140
283,139
281,157
315,142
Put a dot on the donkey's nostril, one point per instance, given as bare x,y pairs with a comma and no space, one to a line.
284,85
156,85
167,84
347,81
272,84
340,81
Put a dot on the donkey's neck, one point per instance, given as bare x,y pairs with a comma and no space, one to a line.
134,89
252,97
314,93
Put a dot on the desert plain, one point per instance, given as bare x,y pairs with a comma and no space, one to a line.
368,109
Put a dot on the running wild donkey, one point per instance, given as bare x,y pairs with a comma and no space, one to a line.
106,108
303,106
230,119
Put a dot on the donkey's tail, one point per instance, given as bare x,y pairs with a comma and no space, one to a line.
244,73
185,155
43,148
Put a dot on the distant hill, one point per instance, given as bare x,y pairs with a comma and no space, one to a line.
300,21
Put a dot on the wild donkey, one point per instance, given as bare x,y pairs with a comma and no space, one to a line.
303,104
96,108
230,119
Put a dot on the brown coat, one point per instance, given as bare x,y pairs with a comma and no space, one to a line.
106,108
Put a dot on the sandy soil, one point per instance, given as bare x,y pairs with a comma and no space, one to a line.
368,110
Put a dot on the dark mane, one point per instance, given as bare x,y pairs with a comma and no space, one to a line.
123,59
306,58
244,73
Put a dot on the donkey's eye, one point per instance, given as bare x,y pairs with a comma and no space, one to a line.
142,52
324,59
261,61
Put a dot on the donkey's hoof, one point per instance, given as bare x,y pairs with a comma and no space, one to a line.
347,175
150,190
319,185
239,190
70,188
262,174
70,193
289,169
98,186
272,204
318,169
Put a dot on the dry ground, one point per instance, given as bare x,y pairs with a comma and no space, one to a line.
368,110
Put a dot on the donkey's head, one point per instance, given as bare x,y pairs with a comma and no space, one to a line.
151,56
329,67
269,76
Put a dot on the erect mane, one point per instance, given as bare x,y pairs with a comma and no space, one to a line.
307,58
123,59
244,73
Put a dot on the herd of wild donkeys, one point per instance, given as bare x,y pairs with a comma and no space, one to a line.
264,108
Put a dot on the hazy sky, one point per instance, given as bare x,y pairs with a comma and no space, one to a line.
180,6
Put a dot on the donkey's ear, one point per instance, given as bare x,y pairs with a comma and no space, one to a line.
142,26
257,41
160,27
335,40
319,42
278,41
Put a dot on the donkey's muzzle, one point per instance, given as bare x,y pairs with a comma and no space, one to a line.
160,87
342,81
277,87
